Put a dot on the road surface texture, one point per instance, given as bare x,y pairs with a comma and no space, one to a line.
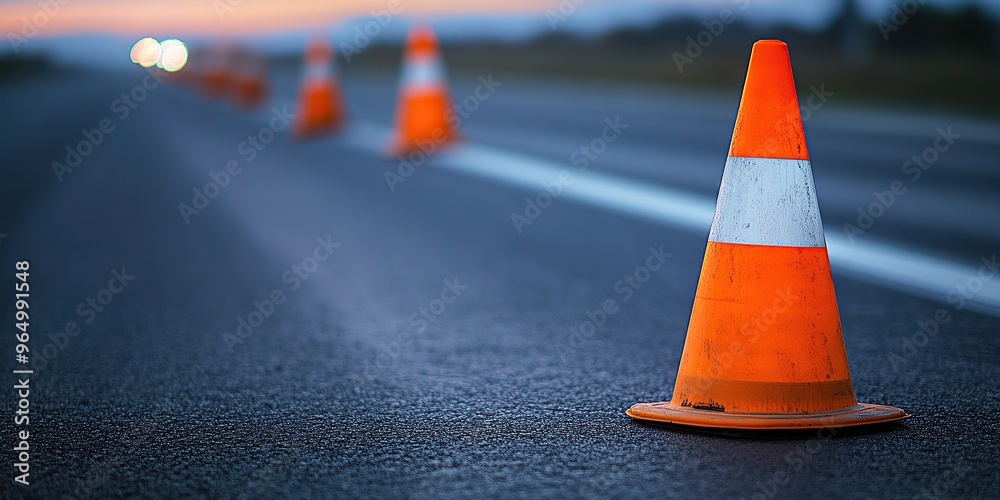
421,346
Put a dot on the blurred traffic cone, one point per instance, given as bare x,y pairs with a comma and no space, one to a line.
320,108
216,74
422,112
764,347
250,87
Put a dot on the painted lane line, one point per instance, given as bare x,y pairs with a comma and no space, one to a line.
877,263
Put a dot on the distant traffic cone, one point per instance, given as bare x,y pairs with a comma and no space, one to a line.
217,77
250,86
764,348
422,111
320,107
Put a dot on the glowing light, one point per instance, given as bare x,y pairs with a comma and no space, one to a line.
145,52
174,55
139,47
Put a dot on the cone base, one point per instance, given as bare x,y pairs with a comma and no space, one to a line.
862,414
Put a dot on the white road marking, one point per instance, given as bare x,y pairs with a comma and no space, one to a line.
880,264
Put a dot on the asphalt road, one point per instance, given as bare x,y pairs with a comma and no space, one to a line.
422,346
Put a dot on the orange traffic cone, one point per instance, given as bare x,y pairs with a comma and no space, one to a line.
764,348
320,107
217,78
250,87
422,112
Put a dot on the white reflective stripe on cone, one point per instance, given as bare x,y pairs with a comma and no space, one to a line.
423,73
766,201
318,71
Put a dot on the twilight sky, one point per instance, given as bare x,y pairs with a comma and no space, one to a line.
253,17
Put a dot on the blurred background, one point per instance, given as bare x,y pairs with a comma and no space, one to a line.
856,46
311,313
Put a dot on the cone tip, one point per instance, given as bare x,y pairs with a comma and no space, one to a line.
422,39
770,52
769,43
769,121
319,49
